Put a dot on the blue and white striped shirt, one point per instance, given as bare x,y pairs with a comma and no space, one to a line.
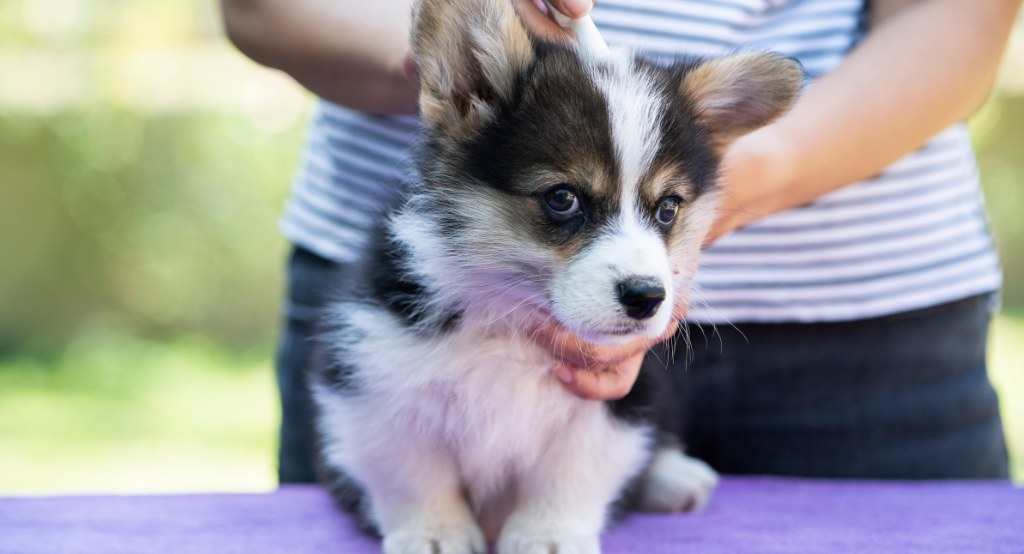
914,236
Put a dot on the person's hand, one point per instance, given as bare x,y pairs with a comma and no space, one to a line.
753,181
571,8
601,372
535,17
542,24
597,372
611,382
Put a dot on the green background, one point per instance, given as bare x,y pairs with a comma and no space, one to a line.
143,165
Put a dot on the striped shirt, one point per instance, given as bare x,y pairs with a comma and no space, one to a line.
914,236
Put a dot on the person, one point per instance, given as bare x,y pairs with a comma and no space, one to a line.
839,322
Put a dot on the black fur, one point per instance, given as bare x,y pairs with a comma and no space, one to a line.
381,277
547,126
388,281
550,123
684,142
347,494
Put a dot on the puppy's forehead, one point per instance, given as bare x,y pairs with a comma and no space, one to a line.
685,149
615,126
661,147
635,110
557,123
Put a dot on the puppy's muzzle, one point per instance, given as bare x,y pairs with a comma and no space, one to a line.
640,296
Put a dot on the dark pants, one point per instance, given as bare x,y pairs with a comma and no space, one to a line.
903,396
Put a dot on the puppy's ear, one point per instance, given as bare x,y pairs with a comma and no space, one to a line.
468,53
742,92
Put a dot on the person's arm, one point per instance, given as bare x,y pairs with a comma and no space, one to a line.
354,53
924,65
357,54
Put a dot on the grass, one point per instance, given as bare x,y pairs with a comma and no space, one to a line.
118,414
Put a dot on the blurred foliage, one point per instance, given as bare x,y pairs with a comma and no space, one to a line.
159,225
120,211
998,132
143,165
115,413
112,413
1006,350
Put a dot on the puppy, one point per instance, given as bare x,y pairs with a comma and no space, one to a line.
552,187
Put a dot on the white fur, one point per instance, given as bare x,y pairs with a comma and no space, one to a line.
635,112
584,292
446,431
675,482
699,218
444,427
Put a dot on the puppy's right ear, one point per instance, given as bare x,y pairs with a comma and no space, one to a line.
467,53
737,94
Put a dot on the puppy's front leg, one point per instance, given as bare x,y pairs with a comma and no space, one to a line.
564,500
416,501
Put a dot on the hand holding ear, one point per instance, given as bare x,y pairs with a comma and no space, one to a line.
571,8
542,24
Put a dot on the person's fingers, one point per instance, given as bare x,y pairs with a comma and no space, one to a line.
610,383
573,350
573,8
538,23
409,66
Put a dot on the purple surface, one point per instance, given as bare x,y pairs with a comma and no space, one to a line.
747,515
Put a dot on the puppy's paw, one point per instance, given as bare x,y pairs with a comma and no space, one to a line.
525,542
436,539
675,482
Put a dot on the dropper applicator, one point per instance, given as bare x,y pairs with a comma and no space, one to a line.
584,29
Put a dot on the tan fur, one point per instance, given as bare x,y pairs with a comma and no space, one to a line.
466,52
449,430
742,92
663,180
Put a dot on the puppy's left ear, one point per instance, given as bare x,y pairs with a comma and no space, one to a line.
468,54
737,94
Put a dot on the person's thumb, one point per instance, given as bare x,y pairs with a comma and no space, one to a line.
573,8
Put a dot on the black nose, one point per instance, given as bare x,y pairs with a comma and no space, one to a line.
641,296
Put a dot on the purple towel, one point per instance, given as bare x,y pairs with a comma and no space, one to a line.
747,515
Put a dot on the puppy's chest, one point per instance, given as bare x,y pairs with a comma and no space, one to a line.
490,400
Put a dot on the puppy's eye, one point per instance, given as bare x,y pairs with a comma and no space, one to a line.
667,210
562,201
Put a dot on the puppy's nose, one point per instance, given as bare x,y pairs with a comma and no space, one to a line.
641,296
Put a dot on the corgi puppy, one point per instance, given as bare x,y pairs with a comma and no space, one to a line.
552,187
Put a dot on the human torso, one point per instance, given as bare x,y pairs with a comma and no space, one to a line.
914,236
